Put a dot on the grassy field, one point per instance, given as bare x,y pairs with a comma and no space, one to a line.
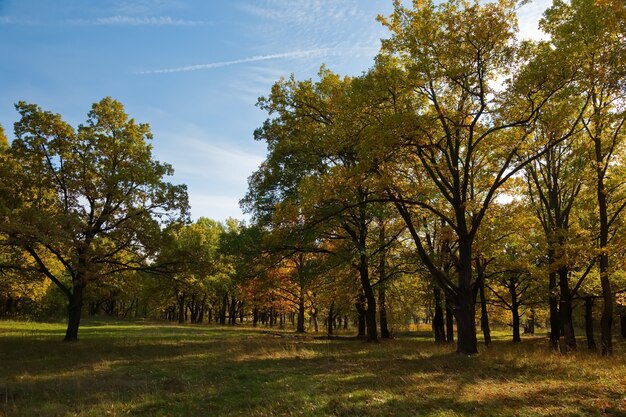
119,369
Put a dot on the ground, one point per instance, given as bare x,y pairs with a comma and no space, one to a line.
137,369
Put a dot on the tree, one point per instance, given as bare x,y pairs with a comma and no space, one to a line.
555,181
4,142
313,179
589,35
458,137
91,199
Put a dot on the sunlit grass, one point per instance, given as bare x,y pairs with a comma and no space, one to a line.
163,370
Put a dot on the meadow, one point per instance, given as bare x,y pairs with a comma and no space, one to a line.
143,369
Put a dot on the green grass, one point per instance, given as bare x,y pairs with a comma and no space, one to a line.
125,369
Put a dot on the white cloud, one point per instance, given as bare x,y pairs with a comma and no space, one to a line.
528,18
317,52
136,21
196,158
214,206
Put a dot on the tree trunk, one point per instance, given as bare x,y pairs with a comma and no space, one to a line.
315,322
465,320
622,323
331,315
360,308
555,321
74,309
223,309
232,312
606,320
300,325
181,308
368,291
449,320
484,318
591,342
567,323
255,316
382,312
438,322
516,323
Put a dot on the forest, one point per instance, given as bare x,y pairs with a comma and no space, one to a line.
469,185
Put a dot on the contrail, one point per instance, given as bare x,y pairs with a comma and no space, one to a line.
294,54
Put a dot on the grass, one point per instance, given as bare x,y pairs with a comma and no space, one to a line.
125,369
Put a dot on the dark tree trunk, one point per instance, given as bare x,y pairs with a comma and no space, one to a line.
255,316
331,317
606,320
622,322
484,318
314,318
555,321
74,309
382,312
368,291
360,308
345,323
181,308
438,322
467,343
591,342
516,323
449,320
300,325
223,309
232,312
567,324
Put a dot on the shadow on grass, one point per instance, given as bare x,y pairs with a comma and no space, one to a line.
184,370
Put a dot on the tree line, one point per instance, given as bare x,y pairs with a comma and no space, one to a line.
465,170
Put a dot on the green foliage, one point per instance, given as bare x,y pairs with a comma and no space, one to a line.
85,203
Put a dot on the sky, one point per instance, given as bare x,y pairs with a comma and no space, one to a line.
192,69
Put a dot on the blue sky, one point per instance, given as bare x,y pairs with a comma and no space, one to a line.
193,70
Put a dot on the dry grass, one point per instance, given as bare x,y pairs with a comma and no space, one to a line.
159,370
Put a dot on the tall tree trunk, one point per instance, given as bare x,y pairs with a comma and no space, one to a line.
465,320
567,323
314,318
484,318
360,308
74,309
255,316
449,320
223,309
331,315
181,308
368,291
622,323
232,311
438,322
516,323
606,320
555,320
382,312
591,342
300,325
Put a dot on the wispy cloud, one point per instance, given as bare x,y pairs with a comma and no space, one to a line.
136,21
317,52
